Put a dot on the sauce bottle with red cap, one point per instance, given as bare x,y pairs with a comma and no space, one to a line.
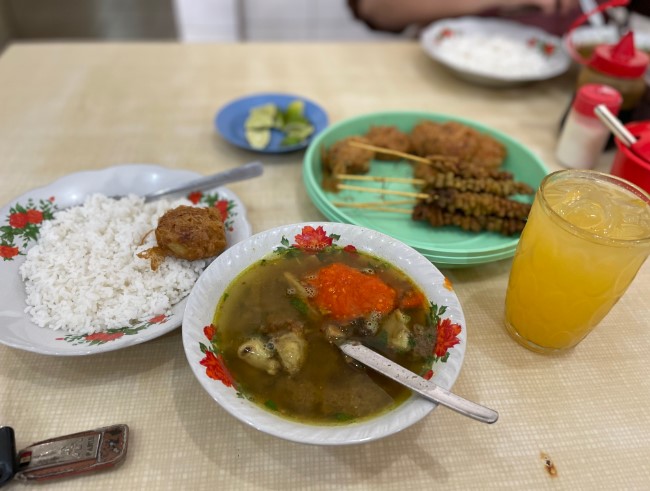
620,66
583,136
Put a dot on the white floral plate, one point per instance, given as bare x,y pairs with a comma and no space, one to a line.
202,349
21,219
494,52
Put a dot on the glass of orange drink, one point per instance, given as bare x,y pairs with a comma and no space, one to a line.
586,237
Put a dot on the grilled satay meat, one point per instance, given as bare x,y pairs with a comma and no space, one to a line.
187,232
477,204
342,158
457,140
438,217
388,137
439,164
469,178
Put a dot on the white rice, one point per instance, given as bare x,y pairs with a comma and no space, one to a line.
83,275
493,55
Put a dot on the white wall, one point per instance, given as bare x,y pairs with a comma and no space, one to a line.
269,20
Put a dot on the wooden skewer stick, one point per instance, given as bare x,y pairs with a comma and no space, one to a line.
388,151
407,156
403,180
363,189
370,204
391,209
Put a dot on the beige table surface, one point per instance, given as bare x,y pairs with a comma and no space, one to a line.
72,107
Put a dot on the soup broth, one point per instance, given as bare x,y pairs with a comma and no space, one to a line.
278,322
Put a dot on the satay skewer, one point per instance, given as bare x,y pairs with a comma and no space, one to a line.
371,204
388,151
404,155
401,180
374,207
473,204
395,192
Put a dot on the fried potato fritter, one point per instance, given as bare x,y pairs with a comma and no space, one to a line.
388,137
187,232
457,140
342,158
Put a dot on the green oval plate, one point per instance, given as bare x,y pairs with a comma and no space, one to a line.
450,246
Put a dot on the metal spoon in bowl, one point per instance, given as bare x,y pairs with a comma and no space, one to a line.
423,387
247,171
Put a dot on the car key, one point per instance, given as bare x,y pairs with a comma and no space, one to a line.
63,456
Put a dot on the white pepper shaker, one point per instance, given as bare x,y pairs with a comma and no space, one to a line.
583,136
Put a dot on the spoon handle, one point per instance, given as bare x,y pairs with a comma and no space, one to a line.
425,388
614,125
247,171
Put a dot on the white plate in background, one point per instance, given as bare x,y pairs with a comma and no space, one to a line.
495,52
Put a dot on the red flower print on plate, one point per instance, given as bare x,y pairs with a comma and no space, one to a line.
226,207
215,369
209,332
195,197
18,220
23,226
447,337
546,48
313,239
8,252
222,206
103,337
34,216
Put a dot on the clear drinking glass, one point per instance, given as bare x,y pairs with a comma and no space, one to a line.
586,237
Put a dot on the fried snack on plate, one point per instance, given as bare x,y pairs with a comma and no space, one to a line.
388,137
187,232
342,158
457,140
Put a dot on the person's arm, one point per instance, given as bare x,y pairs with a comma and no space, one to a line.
396,15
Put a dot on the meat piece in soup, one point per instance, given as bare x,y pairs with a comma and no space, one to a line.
278,323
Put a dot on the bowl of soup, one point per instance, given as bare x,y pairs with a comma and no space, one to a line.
263,322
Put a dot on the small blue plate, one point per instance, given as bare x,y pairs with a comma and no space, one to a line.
231,118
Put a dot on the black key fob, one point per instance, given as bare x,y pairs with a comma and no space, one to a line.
7,454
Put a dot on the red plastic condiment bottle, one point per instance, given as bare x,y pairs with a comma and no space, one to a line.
620,66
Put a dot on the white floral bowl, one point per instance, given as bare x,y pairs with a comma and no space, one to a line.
208,366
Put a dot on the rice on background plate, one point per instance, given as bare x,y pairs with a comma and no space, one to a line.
494,52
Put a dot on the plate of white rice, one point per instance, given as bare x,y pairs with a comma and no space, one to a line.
495,52
72,281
